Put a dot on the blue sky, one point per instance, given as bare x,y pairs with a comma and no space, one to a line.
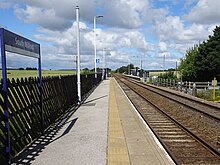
130,31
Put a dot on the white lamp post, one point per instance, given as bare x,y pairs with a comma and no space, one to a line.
99,16
103,63
78,57
164,58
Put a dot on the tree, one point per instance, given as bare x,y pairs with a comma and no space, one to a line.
208,63
122,69
188,67
125,69
202,62
29,68
86,71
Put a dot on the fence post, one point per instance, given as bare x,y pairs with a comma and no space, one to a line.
5,99
194,90
174,84
208,85
181,88
189,87
185,87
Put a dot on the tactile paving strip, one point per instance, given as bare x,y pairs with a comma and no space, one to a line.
117,148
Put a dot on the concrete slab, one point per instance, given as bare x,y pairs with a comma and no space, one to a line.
82,139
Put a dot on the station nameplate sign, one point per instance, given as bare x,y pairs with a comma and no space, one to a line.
17,44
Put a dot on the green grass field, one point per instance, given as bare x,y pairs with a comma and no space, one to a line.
158,73
34,73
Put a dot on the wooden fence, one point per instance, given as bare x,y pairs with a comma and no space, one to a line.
59,94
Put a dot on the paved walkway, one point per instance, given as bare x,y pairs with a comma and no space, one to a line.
105,129
82,140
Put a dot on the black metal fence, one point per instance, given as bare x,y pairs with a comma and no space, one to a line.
59,94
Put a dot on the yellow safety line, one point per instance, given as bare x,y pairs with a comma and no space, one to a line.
117,149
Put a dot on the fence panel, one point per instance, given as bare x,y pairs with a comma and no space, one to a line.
59,94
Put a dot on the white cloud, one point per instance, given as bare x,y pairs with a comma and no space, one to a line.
188,3
123,13
117,13
123,19
64,43
173,31
124,28
4,4
163,47
46,18
205,12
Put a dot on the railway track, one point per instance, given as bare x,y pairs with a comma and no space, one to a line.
188,128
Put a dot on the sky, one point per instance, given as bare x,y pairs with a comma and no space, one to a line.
152,34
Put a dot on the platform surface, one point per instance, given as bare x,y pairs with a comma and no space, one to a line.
105,129
143,147
82,140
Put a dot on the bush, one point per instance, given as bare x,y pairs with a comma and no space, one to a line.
208,95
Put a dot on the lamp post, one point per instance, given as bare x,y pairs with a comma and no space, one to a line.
103,64
96,17
129,67
141,73
78,57
164,62
176,68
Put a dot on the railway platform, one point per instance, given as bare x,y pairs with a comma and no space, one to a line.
105,129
